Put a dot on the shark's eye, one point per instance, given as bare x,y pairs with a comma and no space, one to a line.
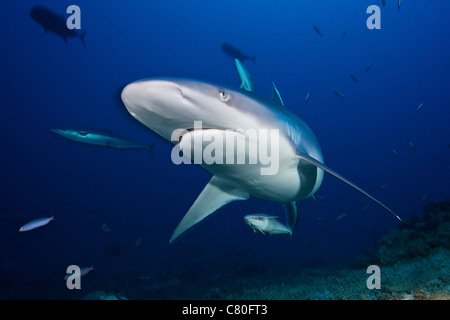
224,96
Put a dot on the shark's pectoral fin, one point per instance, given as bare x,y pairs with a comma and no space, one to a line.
320,165
217,193
291,213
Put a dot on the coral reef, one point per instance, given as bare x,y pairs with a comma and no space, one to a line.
102,295
419,236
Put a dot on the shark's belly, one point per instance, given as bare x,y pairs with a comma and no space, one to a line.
270,175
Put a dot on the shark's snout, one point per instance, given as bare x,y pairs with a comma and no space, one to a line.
152,95
132,96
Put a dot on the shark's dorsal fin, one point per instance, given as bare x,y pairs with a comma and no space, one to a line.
320,165
291,213
217,193
276,95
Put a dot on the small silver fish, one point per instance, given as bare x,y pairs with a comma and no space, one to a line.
412,145
307,97
384,186
342,216
339,94
105,228
83,271
395,152
36,224
419,107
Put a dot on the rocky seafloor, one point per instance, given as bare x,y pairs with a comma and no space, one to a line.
413,261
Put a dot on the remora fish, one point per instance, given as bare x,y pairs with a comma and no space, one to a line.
171,106
246,79
50,21
36,224
105,139
235,53
266,224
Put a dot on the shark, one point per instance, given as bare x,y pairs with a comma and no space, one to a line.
55,23
103,138
235,53
171,106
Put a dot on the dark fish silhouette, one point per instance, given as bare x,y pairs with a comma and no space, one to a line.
50,21
317,29
339,94
236,53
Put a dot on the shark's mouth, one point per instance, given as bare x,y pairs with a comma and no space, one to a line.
178,134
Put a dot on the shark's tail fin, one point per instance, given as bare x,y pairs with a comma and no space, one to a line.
82,38
150,149
254,58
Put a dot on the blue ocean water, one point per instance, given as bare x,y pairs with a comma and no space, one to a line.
47,83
